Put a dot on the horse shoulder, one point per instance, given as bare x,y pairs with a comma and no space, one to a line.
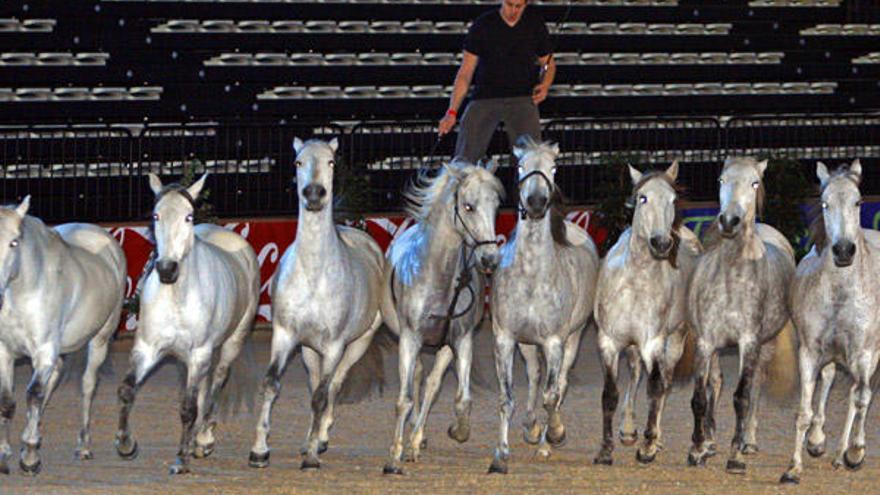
873,238
362,244
229,243
95,241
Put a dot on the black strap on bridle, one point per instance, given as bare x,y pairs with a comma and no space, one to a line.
550,184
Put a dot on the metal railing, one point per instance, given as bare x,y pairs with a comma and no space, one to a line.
97,172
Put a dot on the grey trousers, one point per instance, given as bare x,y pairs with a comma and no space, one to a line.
481,117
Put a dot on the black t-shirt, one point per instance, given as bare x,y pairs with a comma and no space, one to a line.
507,55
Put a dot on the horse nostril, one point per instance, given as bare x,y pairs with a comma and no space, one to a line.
536,201
322,191
660,244
167,271
844,250
729,223
313,192
489,261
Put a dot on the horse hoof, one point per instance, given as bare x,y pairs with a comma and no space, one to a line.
31,469
129,454
817,450
711,449
460,435
628,439
203,451
644,458
392,469
258,461
4,469
556,442
84,455
532,433
749,449
696,460
178,468
790,479
424,444
603,460
852,466
497,468
736,467
308,464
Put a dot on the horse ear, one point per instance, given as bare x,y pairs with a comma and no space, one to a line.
519,151
334,144
634,174
24,206
672,171
453,170
762,167
491,166
822,173
297,145
197,186
728,162
155,183
555,149
855,168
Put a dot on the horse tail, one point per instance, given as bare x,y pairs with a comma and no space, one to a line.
366,378
782,372
240,390
684,368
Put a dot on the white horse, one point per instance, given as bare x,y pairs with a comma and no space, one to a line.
641,303
542,293
198,305
325,297
433,292
738,295
60,289
834,307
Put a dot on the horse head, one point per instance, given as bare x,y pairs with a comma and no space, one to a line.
841,204
741,194
315,160
474,206
173,224
535,175
11,223
654,210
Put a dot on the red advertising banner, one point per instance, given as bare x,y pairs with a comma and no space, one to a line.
270,238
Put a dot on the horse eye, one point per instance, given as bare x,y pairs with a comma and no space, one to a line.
189,218
468,207
553,170
155,217
824,205
643,199
756,185
298,164
519,170
13,243
721,180
332,163
859,203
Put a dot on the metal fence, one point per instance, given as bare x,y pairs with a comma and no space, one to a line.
97,173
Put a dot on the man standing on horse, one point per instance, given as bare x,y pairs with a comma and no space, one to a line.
507,55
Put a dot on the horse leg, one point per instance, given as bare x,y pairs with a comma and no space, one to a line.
432,386
283,344
320,400
460,431
409,347
504,346
749,354
312,363
143,359
816,433
657,385
52,383
7,406
353,353
532,428
97,354
198,368
700,406
854,456
628,433
554,434
609,354
807,361
45,360
716,381
569,353
847,426
750,446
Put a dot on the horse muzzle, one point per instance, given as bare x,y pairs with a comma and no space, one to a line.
729,225
536,206
168,271
660,247
843,253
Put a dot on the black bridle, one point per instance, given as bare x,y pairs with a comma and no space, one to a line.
550,184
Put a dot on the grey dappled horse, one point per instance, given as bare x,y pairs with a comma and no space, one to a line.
61,288
198,305
834,307
641,304
325,297
738,296
542,295
433,292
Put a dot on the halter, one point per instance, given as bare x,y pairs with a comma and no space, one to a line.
520,207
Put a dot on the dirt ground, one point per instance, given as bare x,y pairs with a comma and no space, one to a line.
359,443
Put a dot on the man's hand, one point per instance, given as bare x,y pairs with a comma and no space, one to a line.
539,93
446,124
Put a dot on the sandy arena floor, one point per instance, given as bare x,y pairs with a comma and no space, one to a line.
360,441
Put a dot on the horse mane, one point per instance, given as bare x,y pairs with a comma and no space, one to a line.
424,190
818,234
676,222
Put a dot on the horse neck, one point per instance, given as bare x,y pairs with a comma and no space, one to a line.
534,241
316,233
442,242
637,249
739,246
43,251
